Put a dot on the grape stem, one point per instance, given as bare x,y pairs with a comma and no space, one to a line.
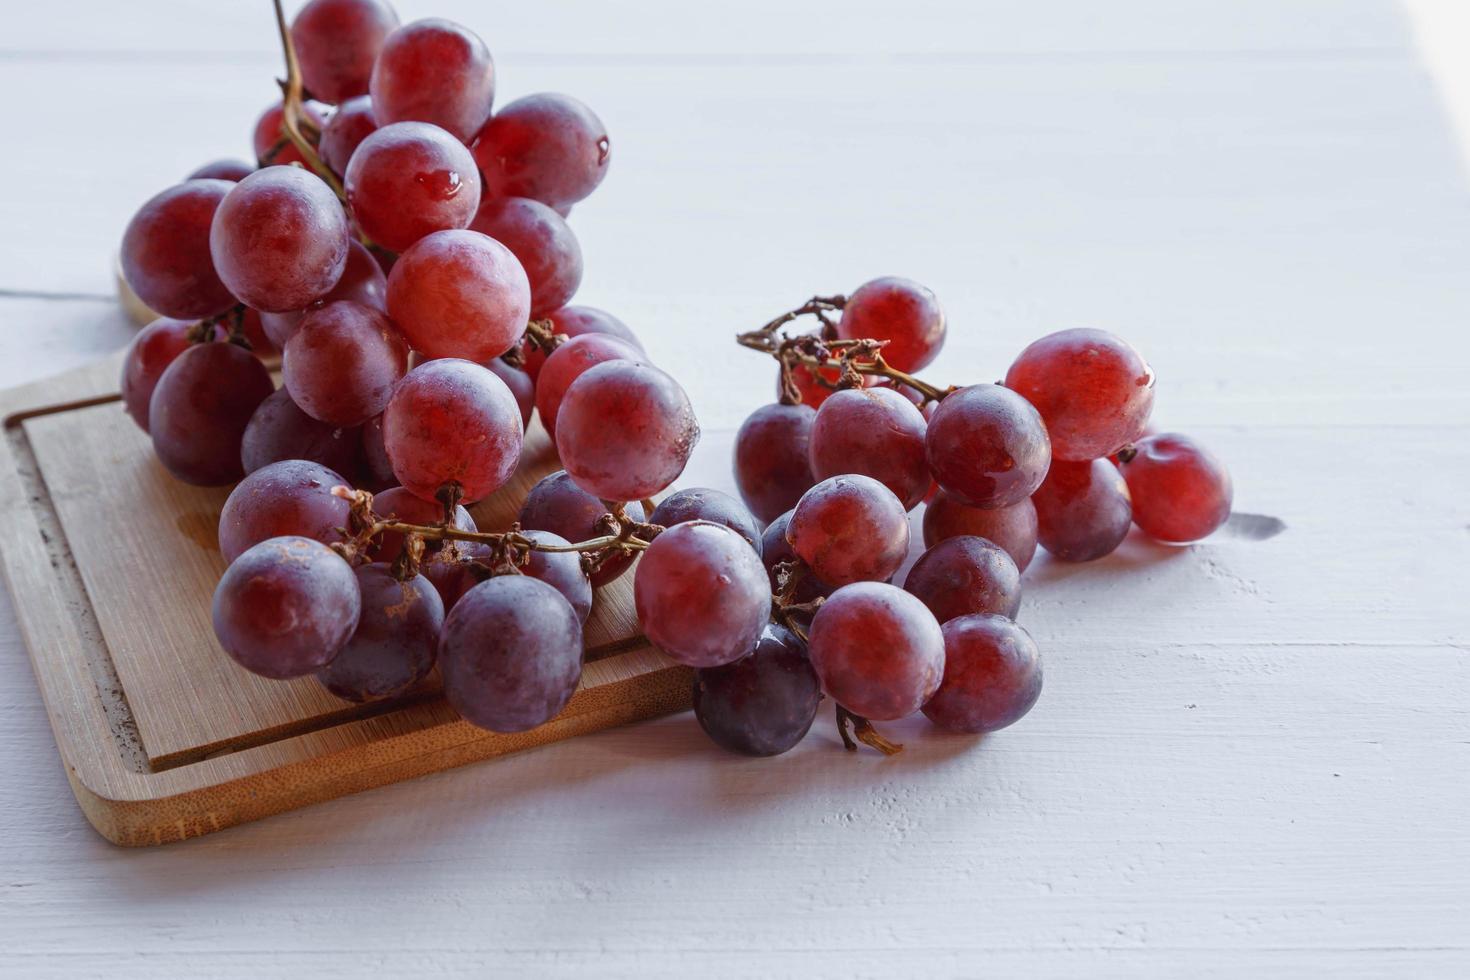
293,117
863,731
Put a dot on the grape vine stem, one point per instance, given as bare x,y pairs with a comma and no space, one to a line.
293,117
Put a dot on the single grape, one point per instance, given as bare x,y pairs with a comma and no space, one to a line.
964,575
352,123
878,651
148,356
343,361
558,505
292,497
279,239
451,421
1181,491
520,384
272,146
1013,527
375,470
762,704
397,504
362,282
337,42
1083,510
459,294
776,550
254,333
704,504
199,410
222,170
165,252
286,607
396,641
548,147
280,430
875,432
1092,389
410,179
992,675
850,528
772,465
456,568
543,242
986,445
434,71
709,568
900,311
511,653
625,430
813,392
562,570
574,321
568,363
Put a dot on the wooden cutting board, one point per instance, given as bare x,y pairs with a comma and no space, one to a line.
111,564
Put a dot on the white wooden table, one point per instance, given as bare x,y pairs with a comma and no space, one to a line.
1251,757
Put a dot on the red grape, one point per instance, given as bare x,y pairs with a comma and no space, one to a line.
558,505
459,294
992,675
511,653
292,497
762,704
279,239
165,251
574,321
200,408
398,504
776,550
520,385
964,575
900,311
704,504
337,42
149,355
877,649
279,430
456,568
772,465
812,391
362,282
286,607
408,180
562,570
270,135
986,445
875,432
1181,491
625,430
1082,510
223,170
352,123
701,594
850,528
568,363
342,362
1013,527
1092,389
451,421
396,641
543,242
434,71
548,147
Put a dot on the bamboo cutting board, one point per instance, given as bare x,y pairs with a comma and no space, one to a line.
111,564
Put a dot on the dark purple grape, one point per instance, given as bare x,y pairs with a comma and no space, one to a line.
407,180
986,445
878,650
376,471
396,641
352,123
568,363
1013,527
520,384
290,498
964,575
153,349
775,550
459,294
223,170
772,465
762,704
280,430
286,607
362,282
850,529
562,570
544,243
337,42
1082,510
704,504
343,361
558,505
875,432
548,147
165,252
434,71
900,311
511,653
200,408
1181,491
701,594
992,675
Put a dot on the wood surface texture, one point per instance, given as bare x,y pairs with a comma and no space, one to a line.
1250,758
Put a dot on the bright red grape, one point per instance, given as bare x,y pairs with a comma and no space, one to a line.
558,505
574,321
222,170
625,430
270,135
900,311
337,42
434,71
548,147
511,653
772,465
396,641
875,432
148,356
964,575
459,294
850,528
165,251
1083,510
362,282
352,123
812,391
701,594
762,704
200,408
279,430
343,361
544,243
1181,491
987,446
992,675
1013,527
410,179
568,363
878,651
292,497
1092,389
704,504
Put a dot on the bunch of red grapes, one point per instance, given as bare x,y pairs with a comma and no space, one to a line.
408,255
